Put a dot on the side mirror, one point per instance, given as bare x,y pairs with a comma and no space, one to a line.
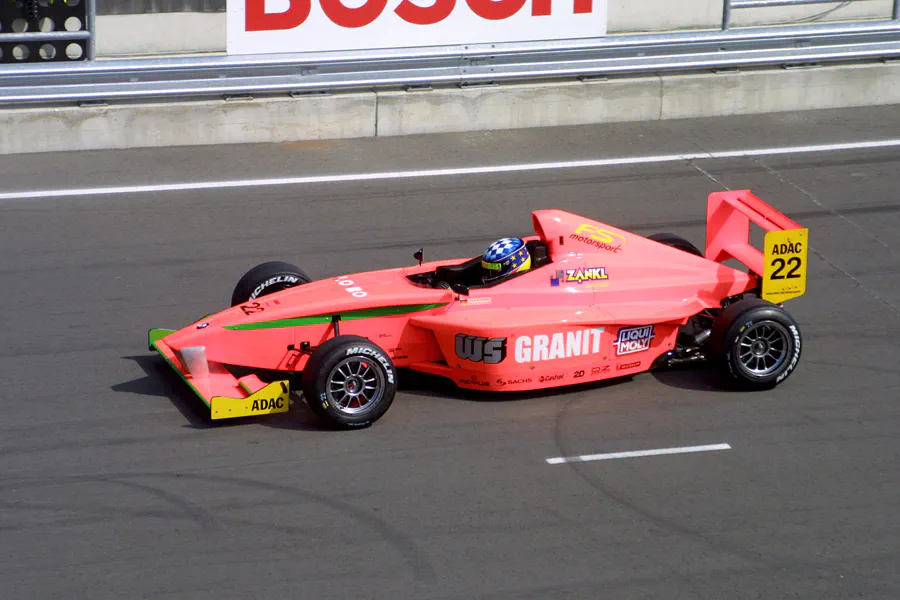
419,255
460,289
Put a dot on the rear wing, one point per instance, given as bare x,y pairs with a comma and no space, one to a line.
782,263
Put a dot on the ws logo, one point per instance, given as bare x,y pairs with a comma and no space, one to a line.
478,349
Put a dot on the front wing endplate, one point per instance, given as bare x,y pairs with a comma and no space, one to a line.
274,398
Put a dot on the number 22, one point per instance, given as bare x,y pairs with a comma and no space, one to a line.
780,264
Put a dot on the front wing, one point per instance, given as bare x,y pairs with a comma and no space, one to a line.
226,396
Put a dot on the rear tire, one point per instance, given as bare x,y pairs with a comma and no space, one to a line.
265,279
349,382
756,344
676,241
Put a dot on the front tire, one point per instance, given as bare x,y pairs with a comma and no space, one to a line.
349,382
756,343
265,279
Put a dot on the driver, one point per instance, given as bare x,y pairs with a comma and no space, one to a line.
503,259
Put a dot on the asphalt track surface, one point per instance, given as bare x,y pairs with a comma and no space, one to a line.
114,483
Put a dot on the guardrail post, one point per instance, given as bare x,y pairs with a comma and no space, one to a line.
896,9
726,13
91,27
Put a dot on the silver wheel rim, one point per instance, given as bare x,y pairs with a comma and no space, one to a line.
355,385
763,348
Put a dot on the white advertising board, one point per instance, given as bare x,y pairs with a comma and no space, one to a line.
277,26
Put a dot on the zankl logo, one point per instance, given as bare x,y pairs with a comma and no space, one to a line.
479,349
599,238
347,284
579,275
633,339
558,345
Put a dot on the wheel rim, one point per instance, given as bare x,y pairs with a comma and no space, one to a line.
763,348
355,385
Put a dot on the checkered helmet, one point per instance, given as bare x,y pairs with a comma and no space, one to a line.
504,258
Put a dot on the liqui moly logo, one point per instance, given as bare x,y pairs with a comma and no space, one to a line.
633,339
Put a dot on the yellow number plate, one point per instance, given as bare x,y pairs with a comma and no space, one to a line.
274,398
784,275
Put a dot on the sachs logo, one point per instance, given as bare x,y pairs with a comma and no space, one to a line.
521,381
558,345
634,339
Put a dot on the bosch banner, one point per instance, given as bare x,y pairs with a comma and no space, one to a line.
278,26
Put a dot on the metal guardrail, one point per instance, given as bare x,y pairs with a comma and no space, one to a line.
469,65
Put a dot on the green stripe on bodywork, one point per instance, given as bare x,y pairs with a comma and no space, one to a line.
154,335
352,315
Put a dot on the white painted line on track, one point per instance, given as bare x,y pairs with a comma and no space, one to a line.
448,172
661,451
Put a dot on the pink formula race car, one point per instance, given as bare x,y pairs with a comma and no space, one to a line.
595,302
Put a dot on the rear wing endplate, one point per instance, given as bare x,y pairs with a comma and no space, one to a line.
782,264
